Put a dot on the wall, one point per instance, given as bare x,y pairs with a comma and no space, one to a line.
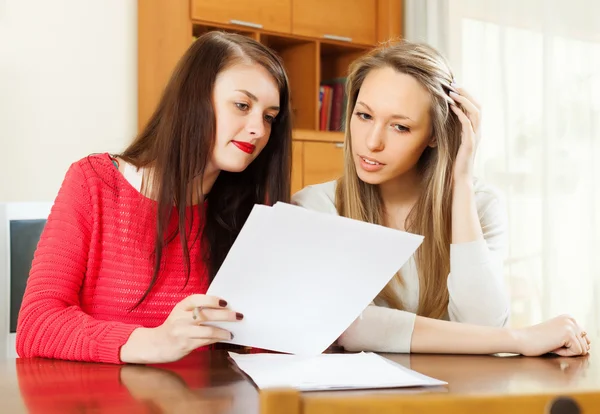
68,88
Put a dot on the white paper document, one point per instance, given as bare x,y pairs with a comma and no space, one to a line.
301,277
329,372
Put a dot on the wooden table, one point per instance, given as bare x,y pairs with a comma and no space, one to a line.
208,383
477,384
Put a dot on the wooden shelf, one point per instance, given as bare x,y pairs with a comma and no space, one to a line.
318,136
336,58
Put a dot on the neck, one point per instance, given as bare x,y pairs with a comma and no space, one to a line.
402,190
399,196
201,185
204,184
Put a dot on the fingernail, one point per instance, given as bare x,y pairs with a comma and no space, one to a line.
454,93
239,316
222,303
454,85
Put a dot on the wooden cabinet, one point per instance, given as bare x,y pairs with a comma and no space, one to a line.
322,161
347,20
300,31
273,15
317,157
164,34
316,40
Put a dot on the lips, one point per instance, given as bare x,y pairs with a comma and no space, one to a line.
371,161
244,146
369,164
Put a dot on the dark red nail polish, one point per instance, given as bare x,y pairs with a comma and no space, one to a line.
222,303
239,316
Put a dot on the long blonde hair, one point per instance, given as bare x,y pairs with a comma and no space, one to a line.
431,215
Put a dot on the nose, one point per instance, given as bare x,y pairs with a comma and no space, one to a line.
256,126
375,139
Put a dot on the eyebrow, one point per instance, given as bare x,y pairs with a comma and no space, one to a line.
254,98
393,116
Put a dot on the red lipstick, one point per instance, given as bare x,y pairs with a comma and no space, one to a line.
244,146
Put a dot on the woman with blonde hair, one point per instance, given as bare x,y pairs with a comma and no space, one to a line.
409,150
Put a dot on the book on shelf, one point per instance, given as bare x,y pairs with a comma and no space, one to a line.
332,104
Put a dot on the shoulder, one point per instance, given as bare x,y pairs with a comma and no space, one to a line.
92,174
94,168
95,165
318,197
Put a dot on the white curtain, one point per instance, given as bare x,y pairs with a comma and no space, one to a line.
535,67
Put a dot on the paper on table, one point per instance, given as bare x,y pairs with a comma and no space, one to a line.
329,372
301,277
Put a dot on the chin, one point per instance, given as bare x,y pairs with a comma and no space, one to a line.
369,177
235,167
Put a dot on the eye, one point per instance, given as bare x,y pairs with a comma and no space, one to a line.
270,119
401,128
242,106
364,116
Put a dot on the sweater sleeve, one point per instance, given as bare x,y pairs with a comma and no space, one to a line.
478,293
51,322
380,329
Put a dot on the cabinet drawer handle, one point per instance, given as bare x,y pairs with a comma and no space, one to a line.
335,37
339,145
247,24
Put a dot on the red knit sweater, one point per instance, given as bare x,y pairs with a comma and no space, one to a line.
94,262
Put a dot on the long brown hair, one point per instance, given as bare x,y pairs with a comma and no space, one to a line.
178,141
431,215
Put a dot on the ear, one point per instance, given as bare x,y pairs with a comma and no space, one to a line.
432,142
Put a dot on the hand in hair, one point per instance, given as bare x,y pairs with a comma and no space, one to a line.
470,121
561,335
473,108
181,333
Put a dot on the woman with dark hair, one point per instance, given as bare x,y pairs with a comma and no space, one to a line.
133,240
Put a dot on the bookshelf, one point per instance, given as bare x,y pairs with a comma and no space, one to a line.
317,40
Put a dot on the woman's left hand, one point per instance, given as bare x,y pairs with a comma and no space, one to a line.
470,121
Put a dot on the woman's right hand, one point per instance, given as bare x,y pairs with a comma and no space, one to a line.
182,331
561,335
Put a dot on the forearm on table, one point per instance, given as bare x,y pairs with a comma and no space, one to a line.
444,337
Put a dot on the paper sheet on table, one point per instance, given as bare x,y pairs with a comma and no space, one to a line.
329,372
301,277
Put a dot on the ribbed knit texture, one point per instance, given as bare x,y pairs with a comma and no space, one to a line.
94,262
